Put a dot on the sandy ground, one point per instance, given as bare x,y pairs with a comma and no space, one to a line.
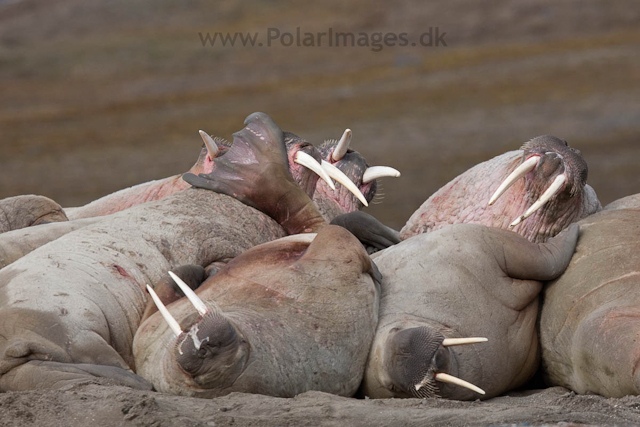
100,405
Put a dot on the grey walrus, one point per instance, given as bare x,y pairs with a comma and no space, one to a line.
25,211
70,309
590,319
462,284
281,319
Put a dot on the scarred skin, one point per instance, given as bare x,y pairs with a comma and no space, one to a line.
285,318
590,317
70,309
462,281
26,211
466,198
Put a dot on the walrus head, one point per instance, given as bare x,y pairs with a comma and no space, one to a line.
554,173
418,362
349,168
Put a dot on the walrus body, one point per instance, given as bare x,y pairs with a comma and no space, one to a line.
590,319
465,280
283,318
25,211
79,299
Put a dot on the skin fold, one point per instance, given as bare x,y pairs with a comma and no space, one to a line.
461,281
70,308
283,318
26,211
589,320
466,198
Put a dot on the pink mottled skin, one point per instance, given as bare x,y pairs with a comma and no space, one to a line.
333,203
141,193
466,198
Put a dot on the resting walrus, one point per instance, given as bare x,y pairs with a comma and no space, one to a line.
281,319
461,281
70,309
536,191
589,324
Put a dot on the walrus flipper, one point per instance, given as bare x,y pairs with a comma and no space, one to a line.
368,229
255,171
521,259
38,374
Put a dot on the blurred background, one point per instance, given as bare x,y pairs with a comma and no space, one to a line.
98,95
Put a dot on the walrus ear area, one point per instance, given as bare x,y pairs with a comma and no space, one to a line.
255,163
410,359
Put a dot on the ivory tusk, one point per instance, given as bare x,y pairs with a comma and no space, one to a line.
298,238
375,172
446,378
188,292
211,145
342,146
309,162
343,179
175,327
518,173
555,186
448,342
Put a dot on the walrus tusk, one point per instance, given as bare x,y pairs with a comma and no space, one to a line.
188,292
175,327
446,378
309,162
342,146
518,173
375,172
448,342
211,145
555,186
297,238
343,179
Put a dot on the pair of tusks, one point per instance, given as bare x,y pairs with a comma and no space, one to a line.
526,167
446,378
199,305
326,170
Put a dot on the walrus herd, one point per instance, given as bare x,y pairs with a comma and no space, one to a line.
255,272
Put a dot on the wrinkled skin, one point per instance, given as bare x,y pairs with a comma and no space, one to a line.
589,322
461,281
629,202
17,243
332,203
70,309
284,318
466,198
26,211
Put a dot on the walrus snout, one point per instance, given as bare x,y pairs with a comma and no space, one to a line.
418,358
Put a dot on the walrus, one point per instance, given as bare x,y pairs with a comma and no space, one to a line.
282,318
536,191
25,211
70,308
462,284
589,323
300,152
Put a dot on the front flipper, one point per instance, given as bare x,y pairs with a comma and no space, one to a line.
168,291
37,374
255,171
368,229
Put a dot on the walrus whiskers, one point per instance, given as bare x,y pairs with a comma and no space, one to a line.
343,179
555,186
